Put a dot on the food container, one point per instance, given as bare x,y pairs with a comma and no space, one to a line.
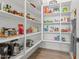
20,28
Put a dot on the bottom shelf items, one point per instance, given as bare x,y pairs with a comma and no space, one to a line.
18,56
12,50
28,49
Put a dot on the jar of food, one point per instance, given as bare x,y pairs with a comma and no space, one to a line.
20,28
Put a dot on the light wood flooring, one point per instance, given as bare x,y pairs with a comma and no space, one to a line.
49,54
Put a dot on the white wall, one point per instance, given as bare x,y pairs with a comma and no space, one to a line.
55,46
77,50
75,5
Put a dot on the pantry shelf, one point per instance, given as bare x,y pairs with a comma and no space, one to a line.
52,14
33,34
66,13
57,32
51,32
56,41
3,40
5,14
33,21
57,23
29,49
67,23
52,23
57,14
66,33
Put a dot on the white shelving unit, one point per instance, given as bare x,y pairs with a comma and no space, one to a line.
10,20
49,37
35,36
35,10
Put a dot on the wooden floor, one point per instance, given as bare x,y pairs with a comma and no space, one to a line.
49,54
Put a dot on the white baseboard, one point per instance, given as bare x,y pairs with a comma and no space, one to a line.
55,46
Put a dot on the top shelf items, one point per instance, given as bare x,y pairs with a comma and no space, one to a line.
8,9
57,9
